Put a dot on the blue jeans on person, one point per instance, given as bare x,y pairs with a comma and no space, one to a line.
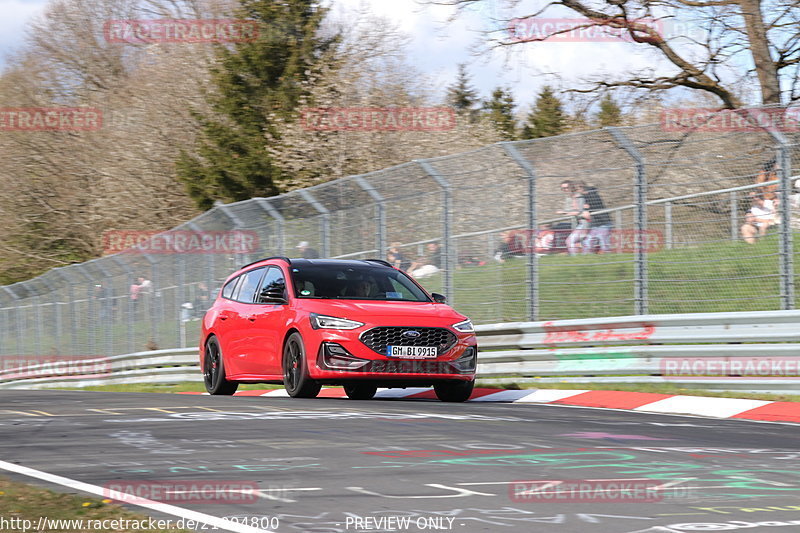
603,236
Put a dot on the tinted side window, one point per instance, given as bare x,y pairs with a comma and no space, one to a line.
273,280
249,285
230,287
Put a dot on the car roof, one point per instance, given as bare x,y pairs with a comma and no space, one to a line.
322,262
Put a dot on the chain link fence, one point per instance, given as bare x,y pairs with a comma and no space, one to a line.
676,202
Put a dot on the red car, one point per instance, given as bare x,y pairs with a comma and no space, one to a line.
312,322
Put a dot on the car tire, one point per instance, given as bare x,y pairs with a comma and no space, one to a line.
360,391
296,380
214,371
454,391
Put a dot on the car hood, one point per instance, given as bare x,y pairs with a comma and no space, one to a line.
360,308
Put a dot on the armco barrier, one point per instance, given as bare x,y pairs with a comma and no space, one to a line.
632,349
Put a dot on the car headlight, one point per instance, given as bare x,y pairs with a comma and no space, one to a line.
464,327
332,322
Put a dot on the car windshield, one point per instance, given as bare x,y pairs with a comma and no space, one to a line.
354,282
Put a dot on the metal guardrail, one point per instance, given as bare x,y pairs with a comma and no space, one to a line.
159,366
632,349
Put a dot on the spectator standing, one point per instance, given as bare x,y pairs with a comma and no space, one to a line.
599,223
202,298
574,206
306,252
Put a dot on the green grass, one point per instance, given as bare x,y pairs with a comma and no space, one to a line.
19,502
721,276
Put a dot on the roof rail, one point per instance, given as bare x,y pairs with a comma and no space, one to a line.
288,261
381,261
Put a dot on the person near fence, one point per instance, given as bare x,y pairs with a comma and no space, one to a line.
396,257
544,240
769,172
599,223
306,251
794,202
574,207
202,300
428,264
759,218
510,246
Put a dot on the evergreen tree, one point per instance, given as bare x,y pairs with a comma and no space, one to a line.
461,95
547,117
255,81
500,112
610,113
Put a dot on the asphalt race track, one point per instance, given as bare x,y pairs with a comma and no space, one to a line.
335,465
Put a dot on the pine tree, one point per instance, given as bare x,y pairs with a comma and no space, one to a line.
254,82
610,113
547,117
461,95
500,112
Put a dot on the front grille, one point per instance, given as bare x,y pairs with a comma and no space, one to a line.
377,339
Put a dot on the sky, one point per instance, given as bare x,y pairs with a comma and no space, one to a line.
438,46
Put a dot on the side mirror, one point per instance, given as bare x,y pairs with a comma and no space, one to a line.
439,298
273,295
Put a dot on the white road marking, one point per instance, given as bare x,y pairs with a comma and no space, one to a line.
165,508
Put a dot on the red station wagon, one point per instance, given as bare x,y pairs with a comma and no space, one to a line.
312,322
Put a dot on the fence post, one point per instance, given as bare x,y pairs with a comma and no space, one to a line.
380,214
17,325
132,305
154,297
59,319
73,323
235,220
533,259
784,159
325,221
640,199
36,305
265,204
91,320
668,224
447,257
734,216
108,297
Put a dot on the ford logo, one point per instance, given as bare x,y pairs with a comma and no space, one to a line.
411,334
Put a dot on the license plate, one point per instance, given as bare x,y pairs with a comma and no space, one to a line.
412,352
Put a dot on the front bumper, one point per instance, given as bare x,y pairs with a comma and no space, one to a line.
335,363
